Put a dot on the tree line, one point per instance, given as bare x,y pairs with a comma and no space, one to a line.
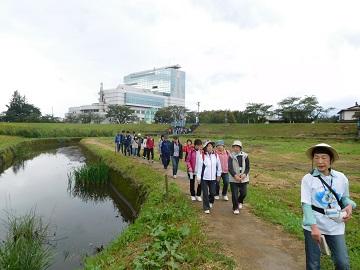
291,109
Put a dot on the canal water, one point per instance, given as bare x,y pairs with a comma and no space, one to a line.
82,221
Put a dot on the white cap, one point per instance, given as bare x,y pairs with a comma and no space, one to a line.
309,152
237,142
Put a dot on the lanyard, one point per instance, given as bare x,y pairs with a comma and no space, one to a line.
329,193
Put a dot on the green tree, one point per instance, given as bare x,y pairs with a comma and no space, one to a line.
19,110
163,116
191,117
257,112
120,114
297,109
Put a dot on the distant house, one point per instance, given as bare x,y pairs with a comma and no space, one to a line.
347,114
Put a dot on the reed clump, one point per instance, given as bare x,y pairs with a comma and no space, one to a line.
27,243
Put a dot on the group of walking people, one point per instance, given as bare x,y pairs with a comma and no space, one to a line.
207,164
325,195
131,144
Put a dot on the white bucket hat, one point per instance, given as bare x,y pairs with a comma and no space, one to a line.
309,152
237,142
207,142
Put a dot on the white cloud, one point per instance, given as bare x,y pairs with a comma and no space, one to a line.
233,52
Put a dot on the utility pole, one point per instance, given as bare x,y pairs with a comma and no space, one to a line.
198,114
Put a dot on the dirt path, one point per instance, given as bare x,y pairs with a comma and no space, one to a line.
252,242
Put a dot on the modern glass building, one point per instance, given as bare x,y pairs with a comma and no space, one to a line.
167,81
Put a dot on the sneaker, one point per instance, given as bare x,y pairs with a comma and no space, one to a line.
198,198
225,198
211,205
241,206
193,198
217,197
174,176
207,211
236,212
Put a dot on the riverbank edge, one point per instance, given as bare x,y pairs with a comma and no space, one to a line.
171,212
23,148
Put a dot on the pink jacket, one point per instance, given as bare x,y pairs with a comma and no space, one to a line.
224,157
191,160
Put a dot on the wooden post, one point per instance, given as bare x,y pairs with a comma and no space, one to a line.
166,185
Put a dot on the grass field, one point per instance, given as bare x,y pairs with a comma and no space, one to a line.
41,130
323,130
7,141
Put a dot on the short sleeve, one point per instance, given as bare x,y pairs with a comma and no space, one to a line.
306,190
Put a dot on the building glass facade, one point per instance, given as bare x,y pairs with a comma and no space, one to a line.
168,81
143,100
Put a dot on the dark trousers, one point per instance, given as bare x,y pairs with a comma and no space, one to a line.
192,186
165,160
150,151
138,151
145,152
225,178
127,150
208,190
117,147
175,164
238,193
122,147
337,247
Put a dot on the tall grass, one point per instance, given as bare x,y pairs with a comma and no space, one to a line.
26,245
46,130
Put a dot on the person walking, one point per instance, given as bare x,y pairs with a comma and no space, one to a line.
187,147
122,141
140,140
239,169
134,145
326,208
208,171
127,143
165,152
191,159
224,159
176,153
144,147
159,145
150,148
117,142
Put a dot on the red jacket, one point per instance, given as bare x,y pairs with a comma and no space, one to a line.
150,143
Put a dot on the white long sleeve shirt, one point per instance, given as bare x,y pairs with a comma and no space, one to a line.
212,166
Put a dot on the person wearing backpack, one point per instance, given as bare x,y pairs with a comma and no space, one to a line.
191,159
208,171
224,157
165,152
176,153
326,208
150,143
239,168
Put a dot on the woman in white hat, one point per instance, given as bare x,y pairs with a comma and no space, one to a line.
239,169
326,207
208,171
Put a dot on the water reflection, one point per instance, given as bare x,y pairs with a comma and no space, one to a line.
83,218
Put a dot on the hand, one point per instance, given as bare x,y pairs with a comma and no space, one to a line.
237,178
218,178
348,210
315,233
242,177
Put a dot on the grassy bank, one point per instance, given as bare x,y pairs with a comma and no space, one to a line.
324,130
46,130
167,233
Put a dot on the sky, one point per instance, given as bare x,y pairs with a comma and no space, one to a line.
233,52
